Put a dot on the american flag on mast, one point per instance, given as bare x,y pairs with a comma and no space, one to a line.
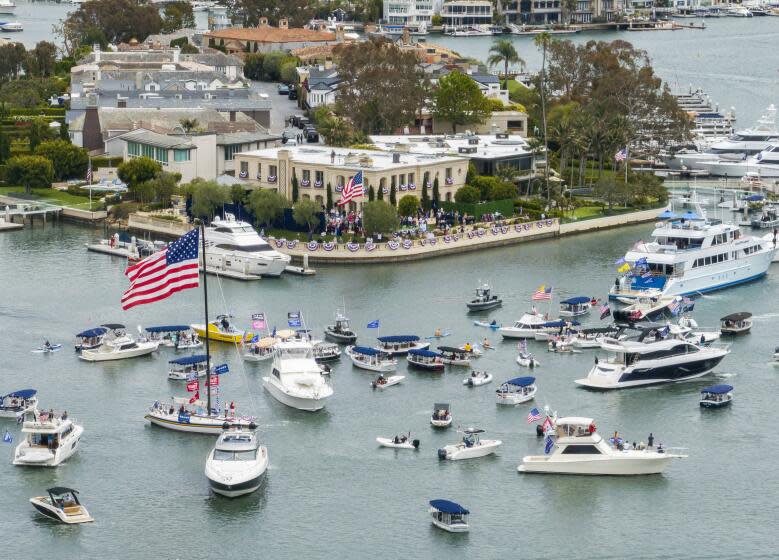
353,189
621,155
543,293
164,273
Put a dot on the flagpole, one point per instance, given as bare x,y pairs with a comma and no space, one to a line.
205,299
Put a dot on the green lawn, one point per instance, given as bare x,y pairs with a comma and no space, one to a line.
59,198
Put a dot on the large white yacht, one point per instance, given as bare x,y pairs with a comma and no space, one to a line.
237,463
690,255
49,440
118,345
765,164
296,379
236,246
633,363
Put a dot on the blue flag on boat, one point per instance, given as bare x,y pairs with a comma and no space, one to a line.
642,262
548,445
221,369
373,324
293,319
8,438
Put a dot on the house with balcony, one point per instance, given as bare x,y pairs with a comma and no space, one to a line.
458,13
410,12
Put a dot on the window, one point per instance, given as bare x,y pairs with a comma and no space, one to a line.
581,450
180,155
133,149
306,175
231,150
161,155
411,179
319,176
271,171
448,172
148,151
244,167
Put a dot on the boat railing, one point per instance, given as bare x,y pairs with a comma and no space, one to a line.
675,452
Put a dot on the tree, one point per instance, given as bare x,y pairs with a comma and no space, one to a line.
542,41
41,60
379,193
252,65
238,194
207,196
289,73
189,125
379,217
503,191
294,187
68,161
271,65
425,198
329,197
371,193
459,101
32,172
39,131
164,186
138,170
117,20
436,194
408,205
5,146
611,190
267,206
177,15
31,92
467,194
335,130
306,213
503,52
12,60
64,133
392,195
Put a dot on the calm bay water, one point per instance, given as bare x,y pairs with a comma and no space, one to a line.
330,491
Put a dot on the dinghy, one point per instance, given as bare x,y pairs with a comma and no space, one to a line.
399,442
477,378
384,382
526,359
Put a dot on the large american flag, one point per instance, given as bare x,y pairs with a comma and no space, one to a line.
353,189
542,294
164,273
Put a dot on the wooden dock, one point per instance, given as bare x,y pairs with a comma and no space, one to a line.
9,226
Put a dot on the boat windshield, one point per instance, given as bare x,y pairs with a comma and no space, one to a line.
249,455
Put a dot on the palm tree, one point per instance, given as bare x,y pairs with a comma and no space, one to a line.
542,41
503,52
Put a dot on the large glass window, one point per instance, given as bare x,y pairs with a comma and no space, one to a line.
180,155
161,155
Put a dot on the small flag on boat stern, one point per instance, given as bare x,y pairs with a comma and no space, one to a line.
533,416
548,445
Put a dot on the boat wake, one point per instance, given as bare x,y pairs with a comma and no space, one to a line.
765,316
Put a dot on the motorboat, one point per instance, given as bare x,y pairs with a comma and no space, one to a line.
12,27
469,31
442,415
118,345
695,334
187,368
592,337
261,350
180,337
91,338
560,344
716,396
455,356
736,323
340,331
633,363
237,464
648,308
183,414
371,359
7,6
764,163
402,441
516,391
62,504
400,344
471,446
690,255
472,350
18,403
739,11
549,329
49,440
577,448
484,299
326,351
382,382
526,327
477,379
449,516
575,306
222,330
236,246
527,359
425,359
296,379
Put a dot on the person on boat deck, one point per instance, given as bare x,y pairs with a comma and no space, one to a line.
182,410
534,311
468,347
225,323
397,439
591,428
64,415
473,373
651,440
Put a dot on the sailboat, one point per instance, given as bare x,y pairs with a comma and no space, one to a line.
193,415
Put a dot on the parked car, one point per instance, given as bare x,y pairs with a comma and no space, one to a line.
303,121
283,89
312,136
293,92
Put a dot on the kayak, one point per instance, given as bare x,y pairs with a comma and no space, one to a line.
43,350
493,326
478,380
390,442
391,380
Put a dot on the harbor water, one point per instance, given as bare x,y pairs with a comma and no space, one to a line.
330,491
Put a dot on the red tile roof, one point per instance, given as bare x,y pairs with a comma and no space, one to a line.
272,35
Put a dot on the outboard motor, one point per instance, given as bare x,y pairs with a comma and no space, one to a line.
539,430
442,453
415,443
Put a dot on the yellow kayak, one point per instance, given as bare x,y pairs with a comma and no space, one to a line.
218,333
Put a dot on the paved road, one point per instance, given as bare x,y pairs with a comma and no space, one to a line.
281,106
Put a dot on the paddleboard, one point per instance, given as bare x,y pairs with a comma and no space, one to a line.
487,325
442,335
41,350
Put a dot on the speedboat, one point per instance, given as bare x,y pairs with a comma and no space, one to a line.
183,414
49,440
179,337
484,299
12,27
425,359
494,325
449,516
516,391
222,331
18,403
471,447
62,504
400,344
118,345
736,323
399,442
371,359
340,331
526,327
455,356
695,334
91,338
236,246
477,378
384,382
575,306
560,344
578,449
716,396
553,328
261,350
526,359
296,379
648,308
634,363
326,351
187,368
442,415
237,464
592,338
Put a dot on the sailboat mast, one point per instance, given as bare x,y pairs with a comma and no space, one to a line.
205,300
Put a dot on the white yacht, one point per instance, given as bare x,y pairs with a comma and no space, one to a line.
182,414
236,246
633,364
471,446
237,464
765,164
118,345
297,380
49,440
579,449
7,6
526,327
690,255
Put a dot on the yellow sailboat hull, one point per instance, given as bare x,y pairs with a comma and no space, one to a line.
215,333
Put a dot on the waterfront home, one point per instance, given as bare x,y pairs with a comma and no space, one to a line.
457,13
411,12
265,38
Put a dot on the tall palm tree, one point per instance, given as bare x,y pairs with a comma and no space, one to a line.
503,52
542,41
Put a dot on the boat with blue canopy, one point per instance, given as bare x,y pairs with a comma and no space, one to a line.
516,391
371,359
425,359
91,338
716,396
576,306
400,344
550,328
187,368
18,403
179,337
449,516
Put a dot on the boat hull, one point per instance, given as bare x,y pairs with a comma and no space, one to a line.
484,305
312,404
41,504
340,338
211,426
234,485
142,349
460,452
595,466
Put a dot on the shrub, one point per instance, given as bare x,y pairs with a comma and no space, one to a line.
467,194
